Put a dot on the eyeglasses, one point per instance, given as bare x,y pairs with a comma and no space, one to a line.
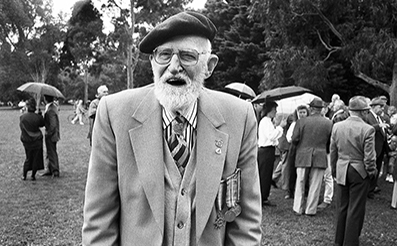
186,57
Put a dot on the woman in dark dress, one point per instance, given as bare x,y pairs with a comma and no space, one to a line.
32,139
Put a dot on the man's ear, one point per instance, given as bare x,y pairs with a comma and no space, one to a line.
211,64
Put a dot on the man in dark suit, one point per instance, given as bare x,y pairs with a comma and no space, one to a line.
353,165
52,136
311,137
381,128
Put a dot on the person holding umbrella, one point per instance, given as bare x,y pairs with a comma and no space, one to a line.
32,139
52,136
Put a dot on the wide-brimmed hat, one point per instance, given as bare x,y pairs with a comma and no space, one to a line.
184,23
316,103
377,101
358,103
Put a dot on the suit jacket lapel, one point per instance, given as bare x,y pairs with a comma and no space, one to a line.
211,156
146,141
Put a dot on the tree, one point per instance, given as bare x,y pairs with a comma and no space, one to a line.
28,38
335,43
82,46
239,44
131,24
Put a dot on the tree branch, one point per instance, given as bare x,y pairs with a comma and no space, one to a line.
372,81
331,49
328,22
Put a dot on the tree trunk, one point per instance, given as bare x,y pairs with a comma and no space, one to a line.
130,49
393,86
85,85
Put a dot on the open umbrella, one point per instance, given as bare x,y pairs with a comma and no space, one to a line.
280,93
40,89
288,105
240,90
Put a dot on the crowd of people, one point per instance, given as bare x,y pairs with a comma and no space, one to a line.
175,163
346,148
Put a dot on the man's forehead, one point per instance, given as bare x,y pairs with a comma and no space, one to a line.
189,41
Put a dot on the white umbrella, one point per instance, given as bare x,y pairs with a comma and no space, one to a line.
240,90
288,105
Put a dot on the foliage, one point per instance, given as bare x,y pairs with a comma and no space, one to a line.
239,44
28,39
325,44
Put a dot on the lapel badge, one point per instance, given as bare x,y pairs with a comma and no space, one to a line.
219,143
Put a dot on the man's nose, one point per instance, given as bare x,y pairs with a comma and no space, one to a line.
175,64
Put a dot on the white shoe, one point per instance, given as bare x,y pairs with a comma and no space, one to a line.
73,122
81,123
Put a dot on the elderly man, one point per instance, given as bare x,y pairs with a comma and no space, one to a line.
174,163
311,137
381,128
353,165
101,92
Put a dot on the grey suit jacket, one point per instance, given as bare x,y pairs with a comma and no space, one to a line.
124,199
352,143
311,137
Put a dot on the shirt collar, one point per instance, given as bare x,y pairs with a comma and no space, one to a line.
190,115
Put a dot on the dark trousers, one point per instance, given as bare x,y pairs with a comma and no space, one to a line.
52,156
291,170
266,158
374,182
350,210
34,161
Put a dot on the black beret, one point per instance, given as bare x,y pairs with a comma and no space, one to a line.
184,23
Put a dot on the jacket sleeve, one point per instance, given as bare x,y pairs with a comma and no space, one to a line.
101,207
246,229
369,153
333,152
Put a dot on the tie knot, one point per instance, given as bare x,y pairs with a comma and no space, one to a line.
178,124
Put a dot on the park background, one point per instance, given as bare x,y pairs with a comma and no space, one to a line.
328,46
346,47
49,212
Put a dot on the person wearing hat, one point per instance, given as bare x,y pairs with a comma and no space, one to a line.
353,157
381,148
174,163
101,91
311,137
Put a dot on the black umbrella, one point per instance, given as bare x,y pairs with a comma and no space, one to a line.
280,93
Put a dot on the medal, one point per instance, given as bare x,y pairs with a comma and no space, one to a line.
232,213
220,220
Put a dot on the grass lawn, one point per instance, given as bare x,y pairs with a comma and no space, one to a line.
49,211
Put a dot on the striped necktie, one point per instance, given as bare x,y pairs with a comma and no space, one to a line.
177,143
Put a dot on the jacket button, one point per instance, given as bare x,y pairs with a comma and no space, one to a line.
180,225
183,192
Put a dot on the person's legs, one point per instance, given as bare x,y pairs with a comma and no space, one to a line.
299,197
267,164
394,196
315,180
356,208
80,119
52,156
342,203
75,119
26,164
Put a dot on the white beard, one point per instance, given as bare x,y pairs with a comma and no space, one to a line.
177,98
